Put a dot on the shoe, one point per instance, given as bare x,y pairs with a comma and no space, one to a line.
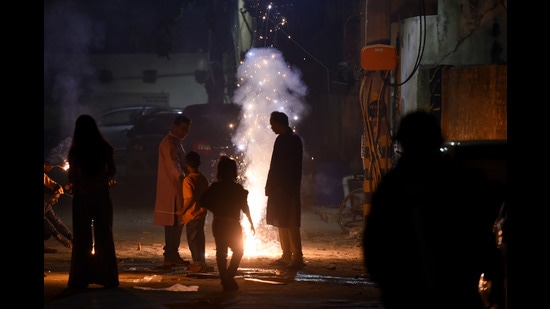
297,264
178,261
197,267
229,284
280,262
49,250
172,263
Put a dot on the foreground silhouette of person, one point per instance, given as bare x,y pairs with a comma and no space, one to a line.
90,177
226,198
423,237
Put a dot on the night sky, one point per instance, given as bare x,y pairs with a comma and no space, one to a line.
130,26
123,26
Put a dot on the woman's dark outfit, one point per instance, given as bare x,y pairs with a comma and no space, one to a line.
93,257
226,199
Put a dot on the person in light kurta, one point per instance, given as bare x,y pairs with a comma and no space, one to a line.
169,197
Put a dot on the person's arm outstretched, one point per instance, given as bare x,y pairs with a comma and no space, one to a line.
246,211
251,223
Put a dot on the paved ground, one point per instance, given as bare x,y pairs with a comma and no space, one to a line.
334,276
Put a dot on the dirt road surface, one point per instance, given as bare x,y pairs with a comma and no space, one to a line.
334,275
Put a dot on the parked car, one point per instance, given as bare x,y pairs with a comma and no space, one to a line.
115,123
143,141
212,129
210,135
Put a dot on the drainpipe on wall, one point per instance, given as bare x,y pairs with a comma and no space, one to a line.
345,185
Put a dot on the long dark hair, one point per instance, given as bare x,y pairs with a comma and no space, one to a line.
90,152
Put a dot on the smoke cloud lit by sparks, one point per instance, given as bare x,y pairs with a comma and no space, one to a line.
69,35
266,84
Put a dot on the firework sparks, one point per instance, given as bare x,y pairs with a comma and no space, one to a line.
266,83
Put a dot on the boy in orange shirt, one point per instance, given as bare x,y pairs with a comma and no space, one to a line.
194,216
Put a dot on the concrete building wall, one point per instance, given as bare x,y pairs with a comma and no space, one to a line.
174,78
462,33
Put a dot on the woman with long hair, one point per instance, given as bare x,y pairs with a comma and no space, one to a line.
91,174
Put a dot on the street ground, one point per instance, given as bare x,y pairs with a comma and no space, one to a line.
334,275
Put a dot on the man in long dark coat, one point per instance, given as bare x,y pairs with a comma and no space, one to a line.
283,187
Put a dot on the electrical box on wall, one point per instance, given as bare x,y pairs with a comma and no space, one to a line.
378,57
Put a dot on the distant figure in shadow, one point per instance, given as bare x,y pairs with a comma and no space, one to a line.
91,175
424,237
226,198
53,225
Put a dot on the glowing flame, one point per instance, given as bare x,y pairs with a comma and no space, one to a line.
265,241
93,237
65,166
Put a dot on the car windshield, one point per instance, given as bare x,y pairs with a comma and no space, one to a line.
154,124
122,116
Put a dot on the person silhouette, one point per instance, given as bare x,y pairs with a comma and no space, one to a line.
53,225
421,241
283,191
91,175
227,199
171,170
193,215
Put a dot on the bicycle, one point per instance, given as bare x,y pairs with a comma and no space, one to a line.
350,213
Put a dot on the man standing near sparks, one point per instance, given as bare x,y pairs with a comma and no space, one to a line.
169,198
283,188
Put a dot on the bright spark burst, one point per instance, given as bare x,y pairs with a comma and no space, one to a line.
267,83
